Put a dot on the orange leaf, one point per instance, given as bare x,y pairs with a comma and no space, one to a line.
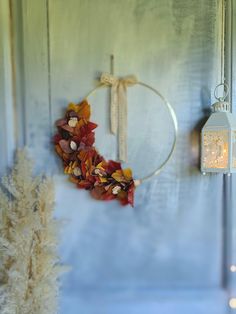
83,110
80,123
58,150
74,180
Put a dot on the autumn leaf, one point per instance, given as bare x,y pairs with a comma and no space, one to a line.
74,142
131,194
122,175
118,176
65,146
127,173
84,110
72,107
112,166
100,193
57,138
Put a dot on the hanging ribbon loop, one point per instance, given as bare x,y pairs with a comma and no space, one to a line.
118,108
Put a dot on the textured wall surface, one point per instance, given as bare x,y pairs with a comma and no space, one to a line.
167,254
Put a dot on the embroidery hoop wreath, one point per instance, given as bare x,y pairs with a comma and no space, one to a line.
106,180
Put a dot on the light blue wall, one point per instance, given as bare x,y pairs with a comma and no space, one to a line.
167,254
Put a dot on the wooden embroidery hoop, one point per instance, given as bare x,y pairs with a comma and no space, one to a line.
171,111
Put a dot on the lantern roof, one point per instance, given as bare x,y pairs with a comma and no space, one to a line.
222,120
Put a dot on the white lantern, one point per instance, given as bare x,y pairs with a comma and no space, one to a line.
218,148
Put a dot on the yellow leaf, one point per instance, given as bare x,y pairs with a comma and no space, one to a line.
83,109
102,179
72,106
118,176
68,170
127,174
99,166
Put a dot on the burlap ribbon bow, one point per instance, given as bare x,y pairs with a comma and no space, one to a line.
118,108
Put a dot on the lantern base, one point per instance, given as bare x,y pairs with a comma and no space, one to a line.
204,172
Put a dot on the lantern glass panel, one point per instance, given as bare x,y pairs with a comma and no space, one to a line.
215,149
234,148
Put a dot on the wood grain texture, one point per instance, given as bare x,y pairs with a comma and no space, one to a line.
170,45
33,87
184,301
232,75
81,40
7,117
172,240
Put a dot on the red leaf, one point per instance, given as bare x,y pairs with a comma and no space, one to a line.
112,166
84,184
66,127
100,193
99,179
60,122
91,126
65,146
57,138
89,139
131,194
83,169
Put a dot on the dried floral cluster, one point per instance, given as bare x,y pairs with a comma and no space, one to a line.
29,266
106,180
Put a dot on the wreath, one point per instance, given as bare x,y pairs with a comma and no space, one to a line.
74,143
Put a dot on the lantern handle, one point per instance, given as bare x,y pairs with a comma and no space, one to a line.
225,92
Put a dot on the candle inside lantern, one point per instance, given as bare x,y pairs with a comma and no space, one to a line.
215,149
